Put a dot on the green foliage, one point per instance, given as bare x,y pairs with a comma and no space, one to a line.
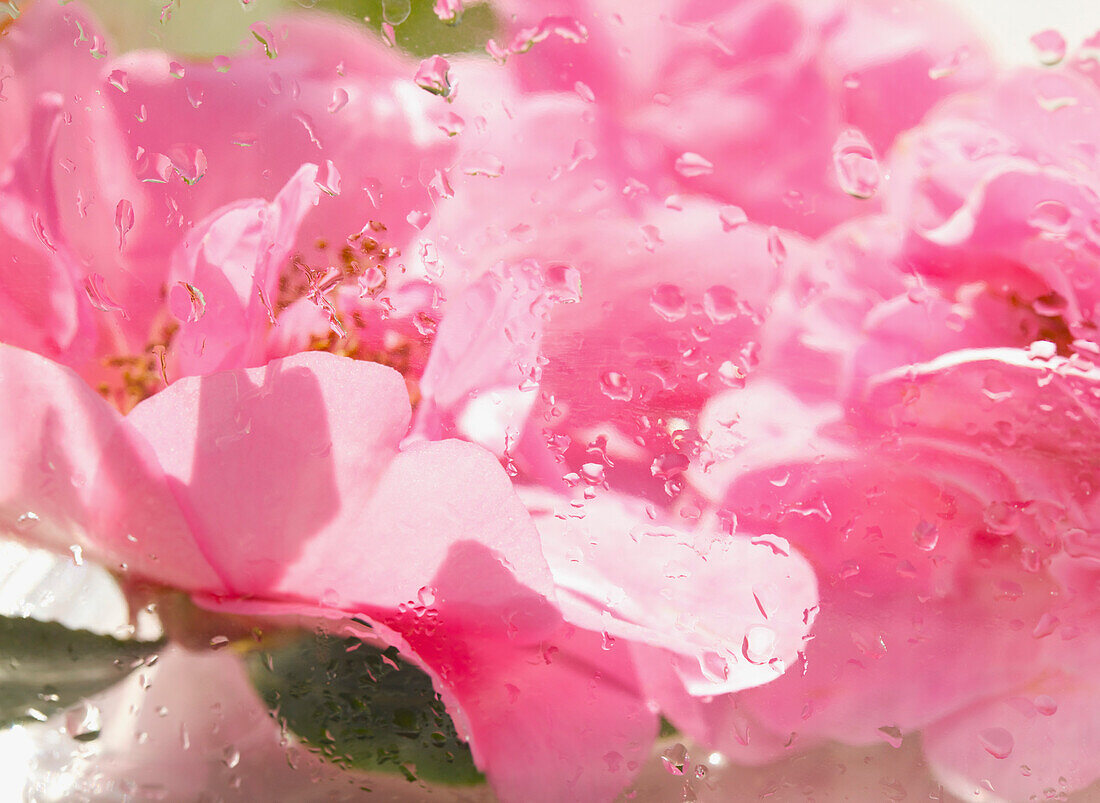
362,707
416,27
46,667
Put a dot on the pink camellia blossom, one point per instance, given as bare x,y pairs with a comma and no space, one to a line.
321,516
119,168
927,443
935,513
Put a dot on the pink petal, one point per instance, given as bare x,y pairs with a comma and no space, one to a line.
258,121
551,714
43,306
234,259
729,613
74,474
1045,737
439,496
487,345
265,460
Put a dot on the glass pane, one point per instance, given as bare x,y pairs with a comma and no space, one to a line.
549,400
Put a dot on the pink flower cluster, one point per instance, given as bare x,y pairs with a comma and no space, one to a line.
728,361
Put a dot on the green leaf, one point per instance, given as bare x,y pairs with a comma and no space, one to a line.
45,667
363,707
422,33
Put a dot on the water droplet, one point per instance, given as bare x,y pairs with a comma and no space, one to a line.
1051,216
592,473
231,757
449,11
1050,305
759,645
328,179
1001,518
118,79
857,169
83,722
926,535
668,301
176,70
776,249
483,164
690,165
584,91
616,386
434,76
221,63
651,237
676,760
892,735
452,125
95,287
949,65
186,302
418,219
389,36
396,12
124,220
1046,705
263,34
1050,47
732,217
1046,625
720,304
339,100
188,161
307,123
563,283
848,570
27,521
998,742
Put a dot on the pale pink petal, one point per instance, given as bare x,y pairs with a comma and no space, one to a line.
264,461
43,305
437,496
485,356
73,475
233,260
727,613
1044,737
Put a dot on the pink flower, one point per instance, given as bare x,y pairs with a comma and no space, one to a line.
282,490
933,464
205,487
110,205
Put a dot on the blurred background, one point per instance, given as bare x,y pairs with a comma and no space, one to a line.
1008,24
